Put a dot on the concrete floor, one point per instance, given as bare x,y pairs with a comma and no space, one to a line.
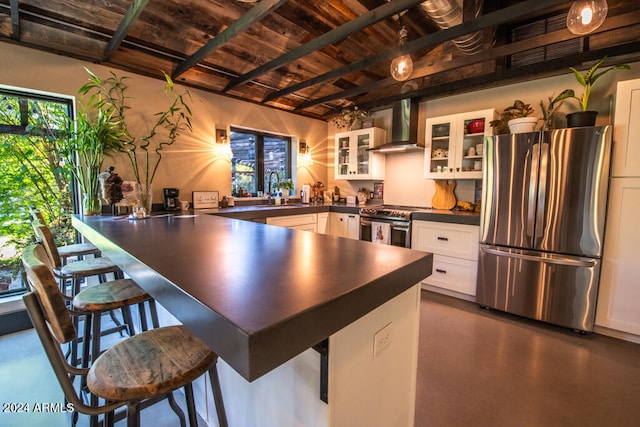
476,368
486,368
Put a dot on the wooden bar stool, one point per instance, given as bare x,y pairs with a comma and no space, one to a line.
133,373
109,295
74,271
75,250
105,297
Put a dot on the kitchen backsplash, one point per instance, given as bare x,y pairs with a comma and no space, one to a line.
405,185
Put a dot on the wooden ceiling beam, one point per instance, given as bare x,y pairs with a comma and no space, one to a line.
508,76
15,20
127,22
429,66
498,17
259,11
330,37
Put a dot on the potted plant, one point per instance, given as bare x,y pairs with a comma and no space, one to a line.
586,117
95,135
549,110
516,117
108,96
288,186
348,116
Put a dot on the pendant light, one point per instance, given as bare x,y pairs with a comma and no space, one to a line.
402,66
585,16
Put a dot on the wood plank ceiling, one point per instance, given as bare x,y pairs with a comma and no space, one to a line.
310,57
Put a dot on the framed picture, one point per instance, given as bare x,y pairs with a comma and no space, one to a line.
205,199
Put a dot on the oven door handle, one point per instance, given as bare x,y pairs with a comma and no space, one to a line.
365,222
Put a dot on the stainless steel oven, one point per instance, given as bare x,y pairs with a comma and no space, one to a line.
386,225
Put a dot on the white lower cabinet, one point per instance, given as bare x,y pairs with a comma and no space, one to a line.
619,294
344,225
323,222
455,255
306,222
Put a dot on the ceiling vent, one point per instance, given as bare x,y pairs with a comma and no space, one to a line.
448,13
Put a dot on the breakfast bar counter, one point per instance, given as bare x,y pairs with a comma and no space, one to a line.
259,295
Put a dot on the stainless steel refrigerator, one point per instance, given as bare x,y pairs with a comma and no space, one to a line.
542,224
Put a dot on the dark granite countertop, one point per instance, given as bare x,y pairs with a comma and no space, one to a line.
257,294
252,212
442,215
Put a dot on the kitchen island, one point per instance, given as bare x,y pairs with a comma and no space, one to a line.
261,296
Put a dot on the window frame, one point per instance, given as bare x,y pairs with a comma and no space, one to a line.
6,297
260,160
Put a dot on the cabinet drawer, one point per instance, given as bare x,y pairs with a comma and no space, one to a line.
294,220
456,240
454,274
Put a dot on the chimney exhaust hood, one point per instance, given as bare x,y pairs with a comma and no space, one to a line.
404,129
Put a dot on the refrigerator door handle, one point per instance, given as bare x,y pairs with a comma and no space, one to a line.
556,259
542,190
533,181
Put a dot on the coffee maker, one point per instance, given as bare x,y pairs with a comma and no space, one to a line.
171,202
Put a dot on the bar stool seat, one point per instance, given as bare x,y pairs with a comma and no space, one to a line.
150,364
110,296
77,250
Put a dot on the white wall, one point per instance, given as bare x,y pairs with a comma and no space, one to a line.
191,164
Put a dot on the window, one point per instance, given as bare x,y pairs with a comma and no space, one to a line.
255,156
30,131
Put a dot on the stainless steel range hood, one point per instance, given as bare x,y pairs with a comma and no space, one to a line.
404,129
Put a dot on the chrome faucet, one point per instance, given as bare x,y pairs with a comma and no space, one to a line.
269,185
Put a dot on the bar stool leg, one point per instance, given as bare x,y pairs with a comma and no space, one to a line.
217,396
133,414
191,407
176,408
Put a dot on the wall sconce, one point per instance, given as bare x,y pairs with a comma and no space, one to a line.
222,148
402,66
585,16
304,155
303,149
221,136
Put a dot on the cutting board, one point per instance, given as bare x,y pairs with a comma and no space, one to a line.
444,198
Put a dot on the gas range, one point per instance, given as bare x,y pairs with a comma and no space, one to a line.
389,212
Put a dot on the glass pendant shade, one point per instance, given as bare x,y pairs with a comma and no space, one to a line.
402,66
585,16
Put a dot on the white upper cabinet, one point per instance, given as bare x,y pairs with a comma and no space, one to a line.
353,160
626,131
454,145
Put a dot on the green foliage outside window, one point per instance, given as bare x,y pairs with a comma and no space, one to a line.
30,148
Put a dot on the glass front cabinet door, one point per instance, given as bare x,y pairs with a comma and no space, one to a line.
353,158
454,146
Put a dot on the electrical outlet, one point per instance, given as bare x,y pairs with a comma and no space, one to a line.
382,339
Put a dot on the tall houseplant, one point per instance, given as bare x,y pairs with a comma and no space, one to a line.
95,135
109,96
586,117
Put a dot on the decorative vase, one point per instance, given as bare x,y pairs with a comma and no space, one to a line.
91,204
144,200
581,118
522,124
